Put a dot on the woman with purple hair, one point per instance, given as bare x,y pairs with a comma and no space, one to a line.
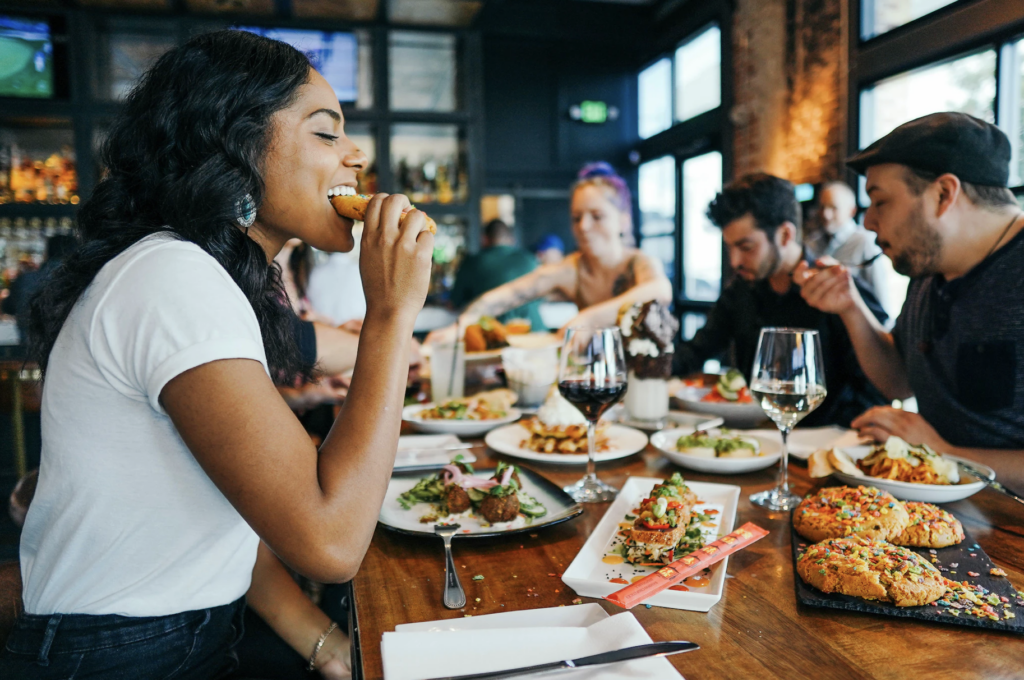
601,277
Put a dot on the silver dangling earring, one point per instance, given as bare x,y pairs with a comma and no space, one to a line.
245,212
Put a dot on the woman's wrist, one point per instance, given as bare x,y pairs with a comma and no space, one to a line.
335,651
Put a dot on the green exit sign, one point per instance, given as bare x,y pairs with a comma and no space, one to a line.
593,112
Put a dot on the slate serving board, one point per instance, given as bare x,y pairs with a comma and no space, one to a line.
961,555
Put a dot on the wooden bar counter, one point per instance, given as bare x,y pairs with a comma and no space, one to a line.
758,630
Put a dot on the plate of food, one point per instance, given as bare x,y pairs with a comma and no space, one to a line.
718,451
729,398
558,434
908,472
465,416
651,523
485,340
506,499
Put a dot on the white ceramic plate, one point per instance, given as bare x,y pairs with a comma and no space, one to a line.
735,415
698,421
560,506
665,441
589,575
428,451
470,644
926,493
461,428
803,441
622,441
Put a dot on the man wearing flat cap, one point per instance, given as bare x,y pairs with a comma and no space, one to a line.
943,215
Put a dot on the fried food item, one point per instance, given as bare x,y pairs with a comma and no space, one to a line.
563,438
518,326
474,339
500,508
455,499
930,527
873,570
839,511
487,335
663,522
354,208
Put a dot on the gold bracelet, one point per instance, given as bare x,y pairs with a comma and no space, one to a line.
319,646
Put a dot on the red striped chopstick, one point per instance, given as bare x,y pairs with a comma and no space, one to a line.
671,574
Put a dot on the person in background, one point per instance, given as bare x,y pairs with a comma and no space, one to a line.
758,215
602,276
549,250
335,290
840,237
28,282
943,215
499,261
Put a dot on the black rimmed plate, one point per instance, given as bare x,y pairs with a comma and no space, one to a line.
561,508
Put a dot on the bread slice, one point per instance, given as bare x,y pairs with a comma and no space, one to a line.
354,208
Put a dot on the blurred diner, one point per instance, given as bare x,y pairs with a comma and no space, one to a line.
601,277
840,237
759,217
499,261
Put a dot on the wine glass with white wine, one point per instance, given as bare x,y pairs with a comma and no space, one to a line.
788,382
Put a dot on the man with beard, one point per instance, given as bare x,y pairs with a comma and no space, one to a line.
759,217
943,214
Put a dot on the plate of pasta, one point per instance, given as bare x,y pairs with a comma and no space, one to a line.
907,471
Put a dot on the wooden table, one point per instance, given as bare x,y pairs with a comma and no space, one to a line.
758,630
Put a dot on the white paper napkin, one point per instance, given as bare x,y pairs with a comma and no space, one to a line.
421,655
803,441
427,449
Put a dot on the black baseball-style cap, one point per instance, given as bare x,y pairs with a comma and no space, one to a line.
975,151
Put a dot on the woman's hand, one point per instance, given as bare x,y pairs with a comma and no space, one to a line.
334,662
394,259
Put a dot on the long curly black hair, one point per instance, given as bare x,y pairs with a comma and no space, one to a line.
188,143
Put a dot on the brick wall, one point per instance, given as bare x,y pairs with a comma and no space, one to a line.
790,69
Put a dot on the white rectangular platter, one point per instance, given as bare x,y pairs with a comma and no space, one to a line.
590,575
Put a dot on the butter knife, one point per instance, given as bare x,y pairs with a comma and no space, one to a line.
627,654
991,482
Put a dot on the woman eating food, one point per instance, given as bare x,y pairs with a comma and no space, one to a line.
603,276
167,452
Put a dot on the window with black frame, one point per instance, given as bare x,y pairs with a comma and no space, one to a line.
675,188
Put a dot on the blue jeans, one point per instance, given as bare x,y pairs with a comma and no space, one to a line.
196,644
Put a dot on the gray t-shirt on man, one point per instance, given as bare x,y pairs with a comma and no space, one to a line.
962,342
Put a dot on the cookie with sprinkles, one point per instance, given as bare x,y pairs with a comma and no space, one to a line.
930,527
872,570
838,511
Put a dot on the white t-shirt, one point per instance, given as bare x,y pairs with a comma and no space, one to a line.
124,521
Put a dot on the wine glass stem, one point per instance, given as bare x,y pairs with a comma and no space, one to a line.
591,445
783,485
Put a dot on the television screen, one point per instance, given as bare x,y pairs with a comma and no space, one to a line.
334,54
26,58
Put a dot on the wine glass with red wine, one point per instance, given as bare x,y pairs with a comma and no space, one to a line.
592,377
